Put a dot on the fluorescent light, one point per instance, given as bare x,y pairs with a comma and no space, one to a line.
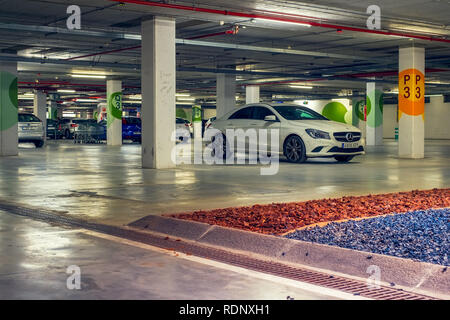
88,76
182,95
302,24
301,87
87,100
132,101
135,97
25,98
185,99
66,91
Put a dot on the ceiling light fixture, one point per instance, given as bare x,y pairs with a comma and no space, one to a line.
293,23
87,100
301,87
88,76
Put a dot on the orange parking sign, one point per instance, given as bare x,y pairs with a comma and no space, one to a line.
411,92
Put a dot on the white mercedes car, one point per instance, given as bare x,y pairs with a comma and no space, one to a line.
303,133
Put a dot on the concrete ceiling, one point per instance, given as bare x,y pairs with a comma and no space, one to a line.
24,27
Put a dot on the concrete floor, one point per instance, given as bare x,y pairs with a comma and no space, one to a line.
34,258
107,184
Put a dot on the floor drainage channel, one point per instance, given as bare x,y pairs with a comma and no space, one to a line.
351,286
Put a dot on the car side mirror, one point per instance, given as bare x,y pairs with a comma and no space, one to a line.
270,118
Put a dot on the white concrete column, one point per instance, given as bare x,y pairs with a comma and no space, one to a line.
411,103
226,93
158,84
40,108
374,107
114,110
8,109
251,94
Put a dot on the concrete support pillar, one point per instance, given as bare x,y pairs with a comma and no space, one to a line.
226,93
40,108
8,109
114,110
411,102
374,109
251,94
158,69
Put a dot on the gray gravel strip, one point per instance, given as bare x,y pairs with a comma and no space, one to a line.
420,235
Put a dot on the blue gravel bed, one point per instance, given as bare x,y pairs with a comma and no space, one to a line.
419,235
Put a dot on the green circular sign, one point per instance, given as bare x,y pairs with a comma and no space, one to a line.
8,100
335,111
114,107
376,120
196,114
358,109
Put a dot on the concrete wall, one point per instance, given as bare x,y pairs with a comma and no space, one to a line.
389,120
437,119
209,113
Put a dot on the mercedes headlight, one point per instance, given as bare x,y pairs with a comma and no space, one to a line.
318,134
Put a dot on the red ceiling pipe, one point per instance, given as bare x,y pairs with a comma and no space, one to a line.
281,17
61,83
69,84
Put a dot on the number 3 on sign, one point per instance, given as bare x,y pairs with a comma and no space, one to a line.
406,83
411,85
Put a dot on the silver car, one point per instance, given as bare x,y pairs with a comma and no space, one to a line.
73,127
31,129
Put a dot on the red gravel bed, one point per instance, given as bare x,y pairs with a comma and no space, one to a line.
279,218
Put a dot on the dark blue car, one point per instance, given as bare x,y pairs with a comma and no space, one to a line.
131,128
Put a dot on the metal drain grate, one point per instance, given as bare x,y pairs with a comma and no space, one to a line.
355,287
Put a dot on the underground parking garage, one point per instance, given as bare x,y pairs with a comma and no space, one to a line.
224,150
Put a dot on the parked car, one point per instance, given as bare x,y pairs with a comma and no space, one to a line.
31,129
131,128
184,124
54,129
303,133
209,122
70,127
